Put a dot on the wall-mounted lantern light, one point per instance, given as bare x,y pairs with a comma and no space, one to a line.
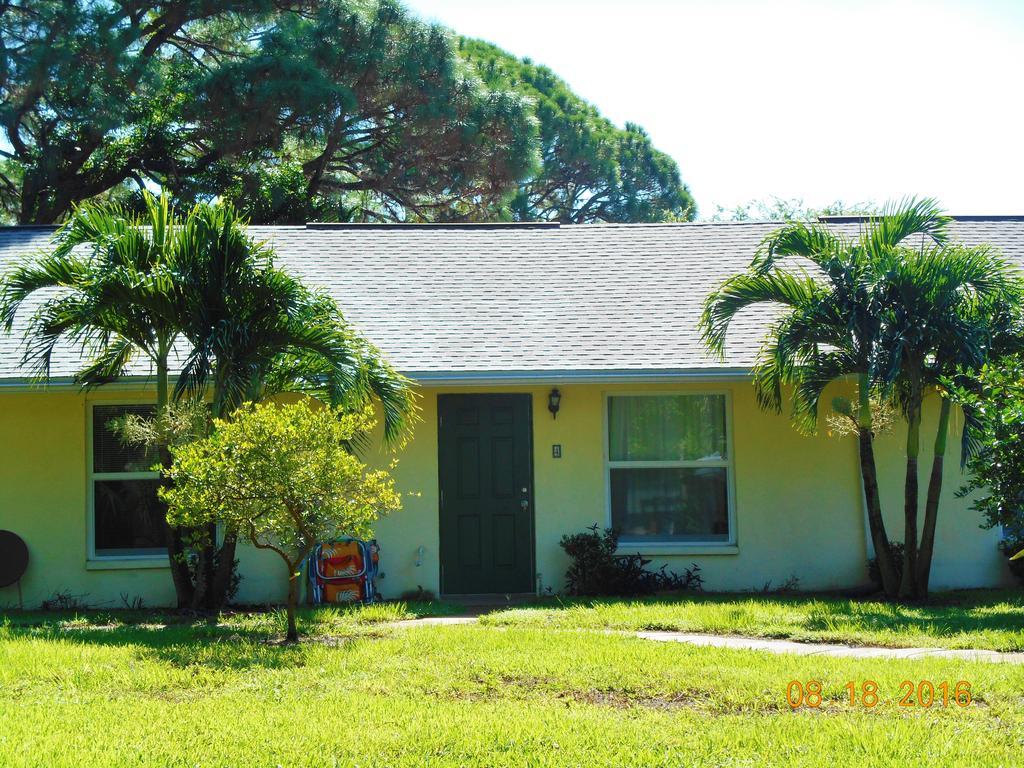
554,400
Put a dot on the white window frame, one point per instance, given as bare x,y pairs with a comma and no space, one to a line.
666,546
137,559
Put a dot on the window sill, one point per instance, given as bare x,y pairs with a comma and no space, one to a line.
125,563
677,548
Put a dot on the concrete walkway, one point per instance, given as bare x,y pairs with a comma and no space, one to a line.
830,649
775,646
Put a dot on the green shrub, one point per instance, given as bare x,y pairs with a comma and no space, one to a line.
897,554
1010,546
598,571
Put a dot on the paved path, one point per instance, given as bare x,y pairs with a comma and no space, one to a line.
830,649
777,646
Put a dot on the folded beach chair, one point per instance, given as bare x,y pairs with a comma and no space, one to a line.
343,571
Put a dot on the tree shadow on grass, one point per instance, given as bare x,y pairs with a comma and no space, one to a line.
948,614
925,619
184,642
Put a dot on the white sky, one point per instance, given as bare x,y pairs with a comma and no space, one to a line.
857,100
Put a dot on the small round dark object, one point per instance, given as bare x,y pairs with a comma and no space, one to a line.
13,558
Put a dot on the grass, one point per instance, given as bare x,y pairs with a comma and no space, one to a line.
331,620
989,619
148,689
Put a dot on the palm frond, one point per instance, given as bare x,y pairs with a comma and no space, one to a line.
814,242
749,289
905,218
109,365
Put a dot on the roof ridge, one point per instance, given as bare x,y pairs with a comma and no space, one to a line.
356,225
652,224
859,217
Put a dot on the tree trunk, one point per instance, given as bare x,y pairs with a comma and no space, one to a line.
876,524
869,475
183,589
205,569
908,584
931,506
222,577
179,566
293,601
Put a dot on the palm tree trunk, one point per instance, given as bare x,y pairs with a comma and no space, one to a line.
908,584
218,597
869,474
931,506
876,524
225,560
183,589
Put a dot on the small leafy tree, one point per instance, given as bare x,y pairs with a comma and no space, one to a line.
285,478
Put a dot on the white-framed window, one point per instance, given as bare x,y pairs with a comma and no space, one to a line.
126,519
669,468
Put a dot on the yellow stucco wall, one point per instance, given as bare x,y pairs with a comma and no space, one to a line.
798,504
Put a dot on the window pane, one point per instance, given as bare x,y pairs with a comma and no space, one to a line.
674,504
130,519
667,428
109,454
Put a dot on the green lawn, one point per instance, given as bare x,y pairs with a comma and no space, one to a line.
989,619
143,689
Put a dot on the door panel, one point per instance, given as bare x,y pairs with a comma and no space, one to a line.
486,477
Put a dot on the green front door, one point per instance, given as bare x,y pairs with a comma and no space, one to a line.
486,483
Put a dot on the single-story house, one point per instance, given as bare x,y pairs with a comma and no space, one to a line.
651,434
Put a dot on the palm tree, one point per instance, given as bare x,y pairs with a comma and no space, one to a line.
117,300
136,285
946,308
254,330
831,296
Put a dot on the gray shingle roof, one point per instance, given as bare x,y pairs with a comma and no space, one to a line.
524,301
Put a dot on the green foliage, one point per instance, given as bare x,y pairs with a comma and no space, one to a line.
141,285
590,170
875,573
234,581
120,296
792,209
179,423
597,569
994,398
138,284
894,309
303,110
831,326
1012,548
331,108
283,477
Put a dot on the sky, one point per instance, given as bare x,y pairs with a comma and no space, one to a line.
859,101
